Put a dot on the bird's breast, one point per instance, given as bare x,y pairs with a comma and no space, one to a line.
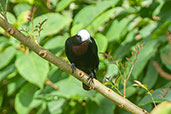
80,49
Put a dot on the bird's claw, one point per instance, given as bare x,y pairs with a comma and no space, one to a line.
90,78
73,67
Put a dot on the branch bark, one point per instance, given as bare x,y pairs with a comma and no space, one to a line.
80,75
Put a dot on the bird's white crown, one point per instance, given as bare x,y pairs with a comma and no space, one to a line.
84,35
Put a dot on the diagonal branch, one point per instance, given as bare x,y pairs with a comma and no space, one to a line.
80,75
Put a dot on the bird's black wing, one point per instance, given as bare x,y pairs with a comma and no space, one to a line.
68,50
94,50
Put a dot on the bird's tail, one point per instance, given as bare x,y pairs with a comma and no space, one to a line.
85,87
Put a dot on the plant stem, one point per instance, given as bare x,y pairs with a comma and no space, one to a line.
124,95
125,80
153,99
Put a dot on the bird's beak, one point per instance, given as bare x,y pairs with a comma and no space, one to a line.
89,40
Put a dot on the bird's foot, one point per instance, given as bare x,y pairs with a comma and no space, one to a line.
73,67
90,78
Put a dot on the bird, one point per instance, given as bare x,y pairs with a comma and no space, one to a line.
82,52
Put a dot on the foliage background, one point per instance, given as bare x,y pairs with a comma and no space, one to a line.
117,26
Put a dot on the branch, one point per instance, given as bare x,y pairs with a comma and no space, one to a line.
80,75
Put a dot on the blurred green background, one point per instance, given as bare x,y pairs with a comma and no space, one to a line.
117,26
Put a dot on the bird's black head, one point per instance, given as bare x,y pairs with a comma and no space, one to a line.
83,36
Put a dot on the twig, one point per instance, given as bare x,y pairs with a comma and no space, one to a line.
169,39
48,82
139,84
99,87
39,28
162,73
132,66
48,3
164,92
130,72
125,81
32,16
166,58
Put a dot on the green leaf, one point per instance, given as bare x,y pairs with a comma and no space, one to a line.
101,41
55,107
151,73
116,29
65,90
22,7
148,107
14,83
101,19
33,68
158,97
11,18
1,97
55,22
87,14
147,30
106,105
100,105
6,56
124,49
130,90
56,42
43,109
3,3
165,11
3,39
135,22
161,30
7,71
23,17
165,56
130,37
112,70
3,43
93,108
162,108
56,75
63,4
24,100
75,29
168,84
23,1
113,33
14,42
